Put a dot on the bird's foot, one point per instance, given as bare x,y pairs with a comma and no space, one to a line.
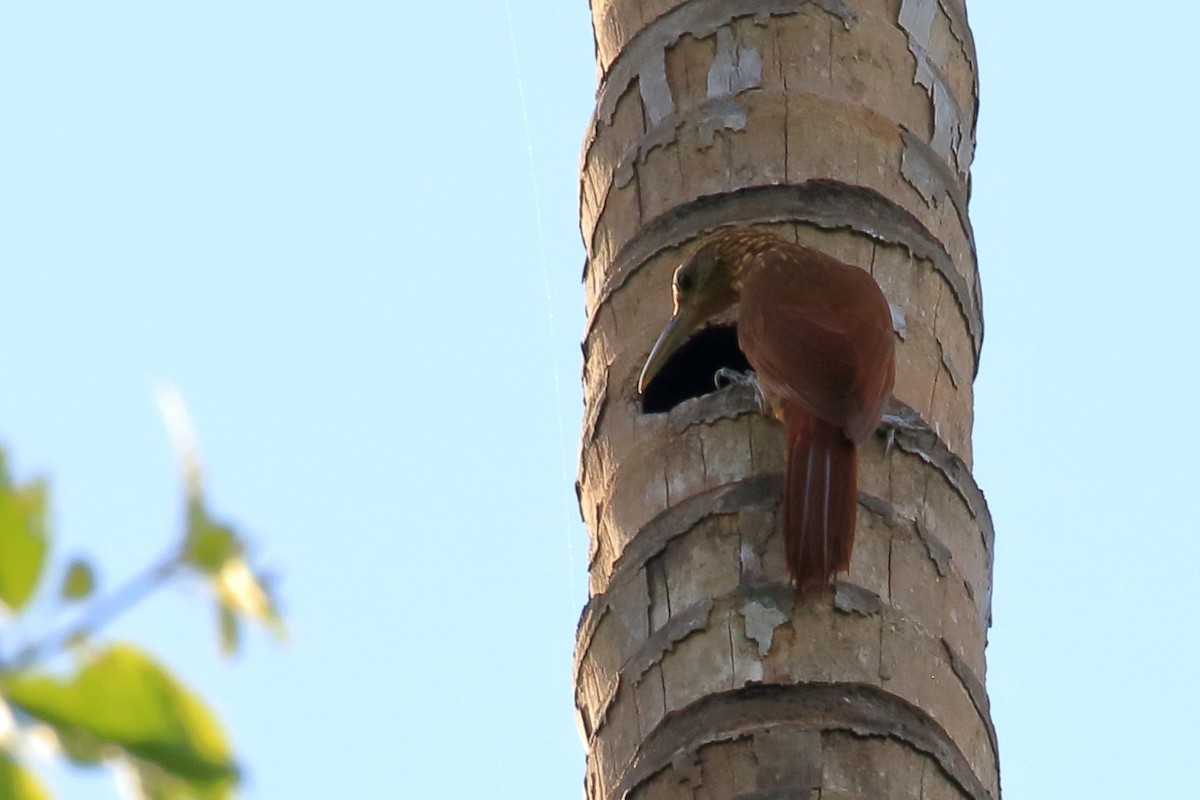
727,376
890,425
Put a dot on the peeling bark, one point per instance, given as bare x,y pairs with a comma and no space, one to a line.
854,599
863,711
761,622
950,141
698,19
913,435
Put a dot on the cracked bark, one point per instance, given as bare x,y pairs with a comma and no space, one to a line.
847,125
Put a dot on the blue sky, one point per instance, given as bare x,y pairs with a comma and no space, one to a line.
322,222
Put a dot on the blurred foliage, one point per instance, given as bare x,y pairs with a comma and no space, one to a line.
23,538
17,782
79,581
117,706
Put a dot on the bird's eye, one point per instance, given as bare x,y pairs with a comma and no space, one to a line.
683,282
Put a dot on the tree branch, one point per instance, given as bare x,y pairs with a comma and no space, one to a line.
98,613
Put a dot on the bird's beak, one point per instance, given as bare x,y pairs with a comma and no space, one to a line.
678,328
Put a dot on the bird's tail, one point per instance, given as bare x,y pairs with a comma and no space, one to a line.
819,500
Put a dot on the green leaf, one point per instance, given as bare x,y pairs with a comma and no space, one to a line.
155,784
80,580
122,697
18,783
24,538
209,544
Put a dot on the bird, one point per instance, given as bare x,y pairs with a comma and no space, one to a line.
818,335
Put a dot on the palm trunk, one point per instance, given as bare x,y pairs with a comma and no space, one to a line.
847,125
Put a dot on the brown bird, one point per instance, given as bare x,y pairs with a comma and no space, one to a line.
818,332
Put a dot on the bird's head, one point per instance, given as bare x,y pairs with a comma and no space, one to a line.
703,286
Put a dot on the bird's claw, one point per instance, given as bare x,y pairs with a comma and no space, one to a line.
727,376
891,424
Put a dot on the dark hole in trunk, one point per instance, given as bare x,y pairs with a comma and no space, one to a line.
689,372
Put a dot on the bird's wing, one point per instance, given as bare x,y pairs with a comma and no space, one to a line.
819,333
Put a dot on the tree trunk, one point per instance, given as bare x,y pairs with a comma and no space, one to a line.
847,125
